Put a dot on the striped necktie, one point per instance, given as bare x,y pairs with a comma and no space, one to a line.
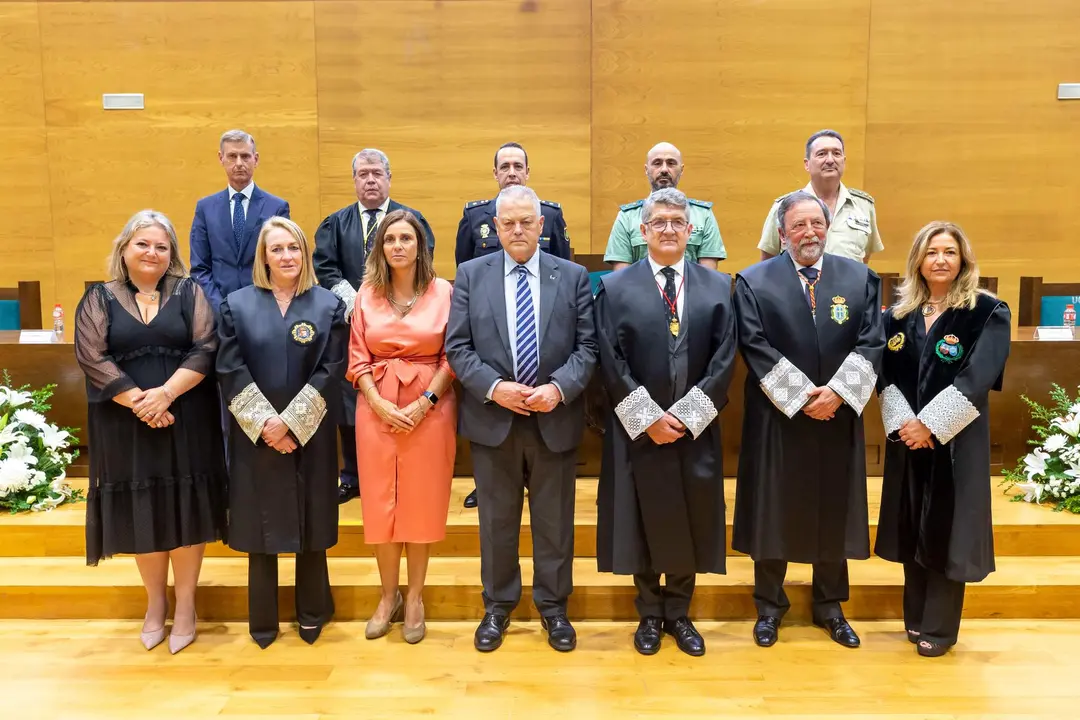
811,274
372,226
528,359
238,221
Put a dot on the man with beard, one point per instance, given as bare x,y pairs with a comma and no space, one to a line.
342,244
477,236
853,232
626,245
666,330
810,331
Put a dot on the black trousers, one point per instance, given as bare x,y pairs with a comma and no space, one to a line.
314,603
829,588
349,475
502,474
670,602
933,604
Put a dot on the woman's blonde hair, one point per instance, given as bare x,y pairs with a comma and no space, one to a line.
377,269
914,292
141,220
260,272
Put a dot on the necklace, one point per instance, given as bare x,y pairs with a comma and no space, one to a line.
931,307
398,305
151,296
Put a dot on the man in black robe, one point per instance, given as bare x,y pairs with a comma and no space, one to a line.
811,333
342,243
667,340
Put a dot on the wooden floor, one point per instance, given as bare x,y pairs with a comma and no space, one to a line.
73,670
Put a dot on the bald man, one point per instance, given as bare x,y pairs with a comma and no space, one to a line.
626,245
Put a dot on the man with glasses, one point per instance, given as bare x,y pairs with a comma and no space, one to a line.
626,244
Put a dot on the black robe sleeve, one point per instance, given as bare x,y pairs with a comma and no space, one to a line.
955,407
246,402
307,410
856,377
787,387
634,407
104,378
327,262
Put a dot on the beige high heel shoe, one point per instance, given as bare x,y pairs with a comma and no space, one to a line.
377,630
416,633
152,639
179,642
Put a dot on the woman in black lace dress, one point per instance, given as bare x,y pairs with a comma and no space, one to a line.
158,489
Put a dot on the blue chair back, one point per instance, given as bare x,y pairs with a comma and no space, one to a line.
9,315
594,279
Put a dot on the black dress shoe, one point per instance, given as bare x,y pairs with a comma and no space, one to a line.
686,636
310,635
648,634
345,493
470,500
264,639
489,634
840,632
927,648
561,634
766,630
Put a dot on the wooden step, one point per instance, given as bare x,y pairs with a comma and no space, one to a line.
64,588
1020,529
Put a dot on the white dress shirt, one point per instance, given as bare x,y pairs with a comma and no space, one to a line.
658,276
378,216
246,192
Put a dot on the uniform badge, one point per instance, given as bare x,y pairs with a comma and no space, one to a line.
303,333
949,349
484,231
896,342
839,310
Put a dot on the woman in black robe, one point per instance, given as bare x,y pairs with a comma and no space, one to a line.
283,344
946,350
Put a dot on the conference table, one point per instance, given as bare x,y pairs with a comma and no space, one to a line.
1034,365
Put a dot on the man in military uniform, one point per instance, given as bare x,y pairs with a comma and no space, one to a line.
853,232
476,235
626,245
476,232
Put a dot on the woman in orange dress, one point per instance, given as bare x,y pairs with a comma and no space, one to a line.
406,429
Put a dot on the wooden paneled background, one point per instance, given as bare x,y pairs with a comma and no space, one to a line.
948,110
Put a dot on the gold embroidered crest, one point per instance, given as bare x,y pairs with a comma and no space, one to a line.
303,333
839,310
896,342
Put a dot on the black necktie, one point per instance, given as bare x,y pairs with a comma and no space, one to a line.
372,226
671,297
811,275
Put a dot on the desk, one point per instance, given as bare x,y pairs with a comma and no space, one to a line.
1033,366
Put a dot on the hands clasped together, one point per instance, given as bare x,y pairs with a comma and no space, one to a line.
400,420
152,406
525,400
916,435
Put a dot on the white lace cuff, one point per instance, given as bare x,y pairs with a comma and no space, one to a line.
895,410
854,381
948,413
305,413
787,387
345,291
251,410
695,411
637,412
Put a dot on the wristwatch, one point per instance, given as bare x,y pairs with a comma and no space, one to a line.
432,397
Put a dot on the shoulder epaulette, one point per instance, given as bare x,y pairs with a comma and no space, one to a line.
700,203
550,203
474,203
860,193
632,206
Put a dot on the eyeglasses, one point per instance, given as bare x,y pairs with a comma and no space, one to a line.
659,225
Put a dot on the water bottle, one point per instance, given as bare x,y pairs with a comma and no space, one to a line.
1069,318
58,321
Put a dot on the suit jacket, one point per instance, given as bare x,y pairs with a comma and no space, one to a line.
478,347
476,234
215,263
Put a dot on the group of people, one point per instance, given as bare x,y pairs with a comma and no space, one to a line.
215,402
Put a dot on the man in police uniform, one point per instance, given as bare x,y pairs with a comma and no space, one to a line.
476,235
853,232
626,245
476,232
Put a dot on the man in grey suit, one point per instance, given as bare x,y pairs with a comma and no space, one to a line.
522,342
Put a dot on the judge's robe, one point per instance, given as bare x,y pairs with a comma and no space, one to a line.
801,490
661,507
935,502
287,366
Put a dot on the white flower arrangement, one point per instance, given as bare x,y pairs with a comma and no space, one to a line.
34,453
1051,472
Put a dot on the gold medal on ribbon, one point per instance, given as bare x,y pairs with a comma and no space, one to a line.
673,326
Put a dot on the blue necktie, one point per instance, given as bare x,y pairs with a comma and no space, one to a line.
372,226
528,360
238,221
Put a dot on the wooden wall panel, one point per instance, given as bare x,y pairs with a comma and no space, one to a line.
963,124
204,68
737,85
439,86
26,233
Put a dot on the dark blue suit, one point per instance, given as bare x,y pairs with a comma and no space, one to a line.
215,263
